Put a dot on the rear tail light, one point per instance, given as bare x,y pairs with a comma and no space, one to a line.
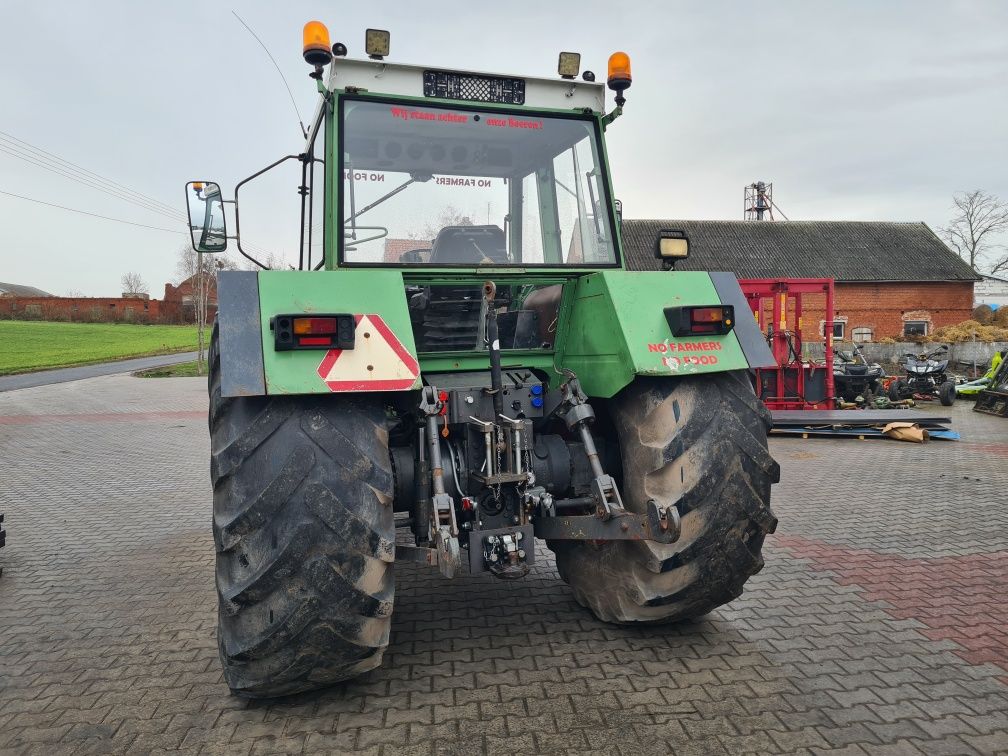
315,326
313,332
713,320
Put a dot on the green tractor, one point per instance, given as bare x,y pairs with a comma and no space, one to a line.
461,365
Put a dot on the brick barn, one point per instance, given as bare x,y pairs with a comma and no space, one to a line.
893,280
179,304
126,309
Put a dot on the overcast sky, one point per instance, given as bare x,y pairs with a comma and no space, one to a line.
854,110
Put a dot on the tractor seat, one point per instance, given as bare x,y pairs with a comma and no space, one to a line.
468,245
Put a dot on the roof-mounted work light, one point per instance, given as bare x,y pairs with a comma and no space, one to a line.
569,65
619,75
376,43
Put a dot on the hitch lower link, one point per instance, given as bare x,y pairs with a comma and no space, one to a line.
611,521
443,529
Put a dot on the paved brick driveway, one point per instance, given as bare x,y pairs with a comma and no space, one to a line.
877,626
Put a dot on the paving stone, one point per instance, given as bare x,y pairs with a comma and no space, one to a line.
863,634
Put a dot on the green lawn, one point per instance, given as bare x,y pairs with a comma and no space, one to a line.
31,345
181,370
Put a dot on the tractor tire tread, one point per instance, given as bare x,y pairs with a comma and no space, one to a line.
700,442
304,535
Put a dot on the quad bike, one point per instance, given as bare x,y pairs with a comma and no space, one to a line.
925,376
854,378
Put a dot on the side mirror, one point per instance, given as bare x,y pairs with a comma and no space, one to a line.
619,212
207,225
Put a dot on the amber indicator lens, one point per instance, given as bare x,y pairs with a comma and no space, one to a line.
314,326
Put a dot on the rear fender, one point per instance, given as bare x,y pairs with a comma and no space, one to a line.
384,356
617,329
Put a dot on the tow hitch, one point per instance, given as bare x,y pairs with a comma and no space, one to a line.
611,521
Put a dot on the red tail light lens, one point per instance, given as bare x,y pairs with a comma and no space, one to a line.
707,315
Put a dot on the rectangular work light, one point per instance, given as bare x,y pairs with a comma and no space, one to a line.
673,244
569,65
376,43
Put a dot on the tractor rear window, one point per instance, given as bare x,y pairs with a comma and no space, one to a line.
430,185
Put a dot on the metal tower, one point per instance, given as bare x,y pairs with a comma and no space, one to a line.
759,201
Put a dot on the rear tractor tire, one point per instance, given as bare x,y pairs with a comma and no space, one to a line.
700,442
304,533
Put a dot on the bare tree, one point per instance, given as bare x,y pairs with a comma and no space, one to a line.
76,293
272,261
133,284
201,271
1000,264
980,216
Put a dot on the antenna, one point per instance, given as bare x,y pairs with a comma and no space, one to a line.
304,131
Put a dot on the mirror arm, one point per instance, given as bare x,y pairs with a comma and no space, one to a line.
303,191
238,186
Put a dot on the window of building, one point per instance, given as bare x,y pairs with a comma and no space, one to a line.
915,328
862,335
839,328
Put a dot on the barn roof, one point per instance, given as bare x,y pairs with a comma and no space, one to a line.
843,250
19,290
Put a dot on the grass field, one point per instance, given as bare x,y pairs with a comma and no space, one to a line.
181,370
33,345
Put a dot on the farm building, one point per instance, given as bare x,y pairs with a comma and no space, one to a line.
127,309
991,291
19,290
893,280
178,305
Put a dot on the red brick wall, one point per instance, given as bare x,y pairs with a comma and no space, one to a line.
883,307
81,309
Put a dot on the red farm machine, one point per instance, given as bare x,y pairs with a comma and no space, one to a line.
797,382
